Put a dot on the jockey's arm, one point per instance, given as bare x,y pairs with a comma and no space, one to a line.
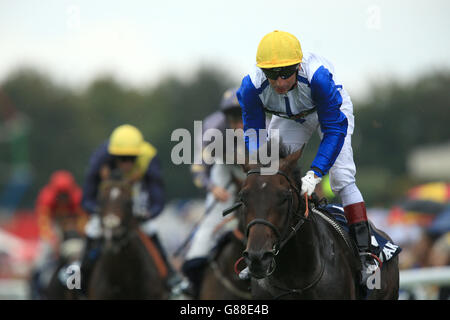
220,179
200,175
201,171
82,219
46,232
333,122
154,184
253,114
92,179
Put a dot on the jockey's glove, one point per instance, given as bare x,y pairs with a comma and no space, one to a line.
309,182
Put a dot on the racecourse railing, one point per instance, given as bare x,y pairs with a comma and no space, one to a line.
425,276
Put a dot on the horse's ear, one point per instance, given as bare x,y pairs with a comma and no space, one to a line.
247,167
291,160
242,153
105,172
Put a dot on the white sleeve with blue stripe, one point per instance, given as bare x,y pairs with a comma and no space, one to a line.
333,122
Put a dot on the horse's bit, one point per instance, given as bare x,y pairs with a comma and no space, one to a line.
279,242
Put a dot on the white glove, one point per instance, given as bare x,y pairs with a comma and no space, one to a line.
309,183
93,227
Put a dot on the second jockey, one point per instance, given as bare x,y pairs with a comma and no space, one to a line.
222,182
137,161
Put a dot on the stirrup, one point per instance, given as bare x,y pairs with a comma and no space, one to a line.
245,274
377,264
174,280
180,288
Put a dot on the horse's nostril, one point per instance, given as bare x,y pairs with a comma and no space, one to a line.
257,257
268,255
247,260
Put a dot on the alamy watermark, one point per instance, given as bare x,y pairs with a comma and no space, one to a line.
223,150
373,21
73,21
73,274
374,280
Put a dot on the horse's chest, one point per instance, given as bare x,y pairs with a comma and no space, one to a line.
265,285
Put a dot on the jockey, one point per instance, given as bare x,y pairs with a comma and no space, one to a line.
59,199
222,186
304,95
201,172
58,202
137,160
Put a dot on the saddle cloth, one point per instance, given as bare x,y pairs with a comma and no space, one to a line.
384,248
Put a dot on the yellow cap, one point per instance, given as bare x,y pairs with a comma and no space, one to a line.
278,49
125,140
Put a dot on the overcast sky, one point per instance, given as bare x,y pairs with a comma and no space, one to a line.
139,41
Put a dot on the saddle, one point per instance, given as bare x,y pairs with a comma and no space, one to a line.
334,214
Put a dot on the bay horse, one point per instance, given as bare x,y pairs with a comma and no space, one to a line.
70,251
293,251
220,279
125,269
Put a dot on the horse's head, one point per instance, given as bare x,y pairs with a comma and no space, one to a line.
269,205
115,200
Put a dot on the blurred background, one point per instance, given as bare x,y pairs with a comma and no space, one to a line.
72,71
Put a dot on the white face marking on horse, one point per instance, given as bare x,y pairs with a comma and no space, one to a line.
115,192
263,185
111,221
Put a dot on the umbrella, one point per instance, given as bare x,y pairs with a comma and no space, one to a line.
434,191
422,204
419,212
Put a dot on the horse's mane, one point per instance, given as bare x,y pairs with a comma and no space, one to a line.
283,152
296,171
114,178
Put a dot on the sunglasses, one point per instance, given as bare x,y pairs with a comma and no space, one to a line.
283,72
126,158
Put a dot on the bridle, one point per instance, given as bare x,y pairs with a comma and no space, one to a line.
281,241
281,237
115,229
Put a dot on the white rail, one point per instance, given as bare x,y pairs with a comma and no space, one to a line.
13,289
425,276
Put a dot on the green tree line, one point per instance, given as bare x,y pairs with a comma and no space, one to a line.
67,124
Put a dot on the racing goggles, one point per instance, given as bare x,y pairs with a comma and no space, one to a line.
126,158
283,72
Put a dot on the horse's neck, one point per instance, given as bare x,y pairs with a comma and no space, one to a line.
128,248
301,253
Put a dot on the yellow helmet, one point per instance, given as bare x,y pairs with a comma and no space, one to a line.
125,140
278,49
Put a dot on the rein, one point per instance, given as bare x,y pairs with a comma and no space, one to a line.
280,243
288,291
